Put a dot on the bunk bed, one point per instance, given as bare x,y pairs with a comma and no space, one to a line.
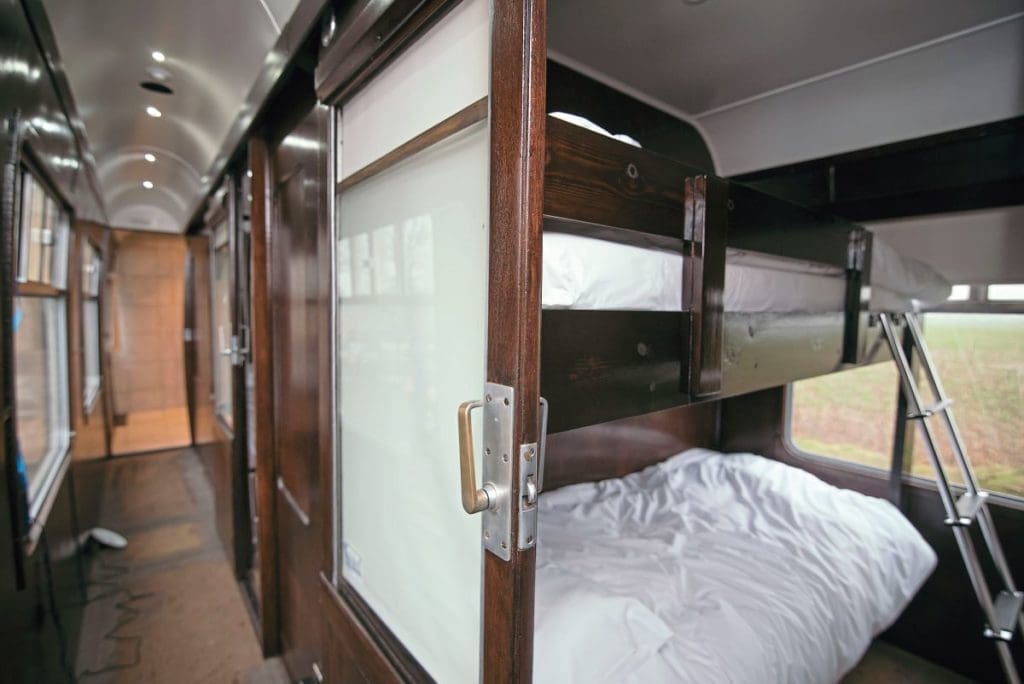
665,286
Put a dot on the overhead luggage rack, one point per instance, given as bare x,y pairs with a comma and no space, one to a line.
1003,613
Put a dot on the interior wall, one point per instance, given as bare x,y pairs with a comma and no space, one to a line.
146,302
966,247
965,80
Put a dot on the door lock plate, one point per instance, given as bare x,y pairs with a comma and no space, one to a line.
499,412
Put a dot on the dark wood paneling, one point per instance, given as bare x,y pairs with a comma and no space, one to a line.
971,168
299,298
369,36
620,447
263,378
593,179
355,657
571,92
943,623
518,55
602,365
703,283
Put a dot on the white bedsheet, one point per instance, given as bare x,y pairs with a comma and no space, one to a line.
717,568
588,273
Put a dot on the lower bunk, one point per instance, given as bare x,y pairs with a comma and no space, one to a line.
718,567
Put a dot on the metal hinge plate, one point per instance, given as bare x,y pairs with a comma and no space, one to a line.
528,492
499,411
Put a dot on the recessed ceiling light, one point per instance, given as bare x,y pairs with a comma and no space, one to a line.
150,157
158,56
147,184
153,112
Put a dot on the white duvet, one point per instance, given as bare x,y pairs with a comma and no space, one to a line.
717,568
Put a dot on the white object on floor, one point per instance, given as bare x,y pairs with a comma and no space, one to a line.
717,567
107,538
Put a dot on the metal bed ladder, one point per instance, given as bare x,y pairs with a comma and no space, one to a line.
1004,613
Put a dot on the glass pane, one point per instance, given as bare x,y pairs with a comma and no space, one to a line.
41,386
36,227
411,288
980,361
220,263
959,293
91,349
848,415
1006,292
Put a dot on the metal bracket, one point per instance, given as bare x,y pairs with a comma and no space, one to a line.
856,250
499,412
529,489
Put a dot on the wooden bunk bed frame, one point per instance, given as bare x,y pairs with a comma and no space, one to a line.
602,365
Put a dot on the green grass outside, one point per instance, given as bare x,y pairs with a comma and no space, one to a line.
980,359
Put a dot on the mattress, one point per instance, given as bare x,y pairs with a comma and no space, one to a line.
712,567
587,273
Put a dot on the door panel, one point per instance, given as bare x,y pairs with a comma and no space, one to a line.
298,299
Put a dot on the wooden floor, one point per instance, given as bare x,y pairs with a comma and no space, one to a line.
152,430
167,608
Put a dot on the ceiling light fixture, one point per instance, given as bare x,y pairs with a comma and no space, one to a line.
158,56
147,184
150,157
153,112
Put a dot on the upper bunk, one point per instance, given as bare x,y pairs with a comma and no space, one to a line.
665,285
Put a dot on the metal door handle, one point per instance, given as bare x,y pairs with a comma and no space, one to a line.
473,500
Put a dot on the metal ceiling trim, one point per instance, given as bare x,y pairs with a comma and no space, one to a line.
47,43
304,19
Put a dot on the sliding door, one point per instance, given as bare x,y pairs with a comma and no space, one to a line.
416,252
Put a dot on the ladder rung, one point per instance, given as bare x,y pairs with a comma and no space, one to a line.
967,507
1007,609
930,411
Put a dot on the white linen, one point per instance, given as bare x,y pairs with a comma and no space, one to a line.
587,273
583,122
717,567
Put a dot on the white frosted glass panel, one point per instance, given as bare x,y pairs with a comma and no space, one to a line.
446,70
412,347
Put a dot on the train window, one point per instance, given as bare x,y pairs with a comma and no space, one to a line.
220,263
92,267
42,412
1006,292
959,293
980,360
847,416
43,236
42,424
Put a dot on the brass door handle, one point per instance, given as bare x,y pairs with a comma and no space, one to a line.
473,500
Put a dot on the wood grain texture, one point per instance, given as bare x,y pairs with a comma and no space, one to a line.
518,55
263,378
593,179
619,447
460,120
603,365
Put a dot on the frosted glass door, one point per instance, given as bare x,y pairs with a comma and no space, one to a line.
411,286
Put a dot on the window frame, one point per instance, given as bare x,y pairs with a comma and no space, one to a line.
220,239
54,464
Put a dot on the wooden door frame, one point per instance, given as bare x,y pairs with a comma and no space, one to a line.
517,121
263,372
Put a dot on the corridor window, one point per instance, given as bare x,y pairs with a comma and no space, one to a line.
39,327
92,268
847,416
220,264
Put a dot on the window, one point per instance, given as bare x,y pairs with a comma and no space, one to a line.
39,327
848,415
43,426
220,264
92,268
980,362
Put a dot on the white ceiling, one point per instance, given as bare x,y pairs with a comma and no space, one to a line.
699,55
214,52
